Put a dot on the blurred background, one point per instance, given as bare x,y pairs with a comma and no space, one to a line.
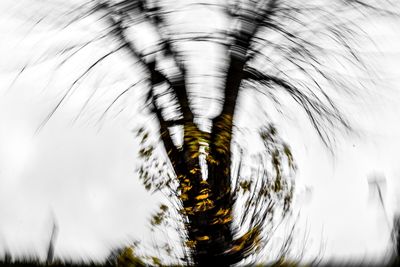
79,169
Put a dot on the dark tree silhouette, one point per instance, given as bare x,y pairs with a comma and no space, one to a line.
271,47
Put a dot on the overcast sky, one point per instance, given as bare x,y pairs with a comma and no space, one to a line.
82,173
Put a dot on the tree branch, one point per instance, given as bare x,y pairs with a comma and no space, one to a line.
172,152
156,78
221,135
313,105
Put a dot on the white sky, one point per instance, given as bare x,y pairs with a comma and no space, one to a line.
87,179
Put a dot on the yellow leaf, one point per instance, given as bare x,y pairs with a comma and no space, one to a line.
227,219
222,212
195,155
203,238
194,170
201,197
191,243
186,188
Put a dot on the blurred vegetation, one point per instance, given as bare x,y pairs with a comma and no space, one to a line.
224,202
